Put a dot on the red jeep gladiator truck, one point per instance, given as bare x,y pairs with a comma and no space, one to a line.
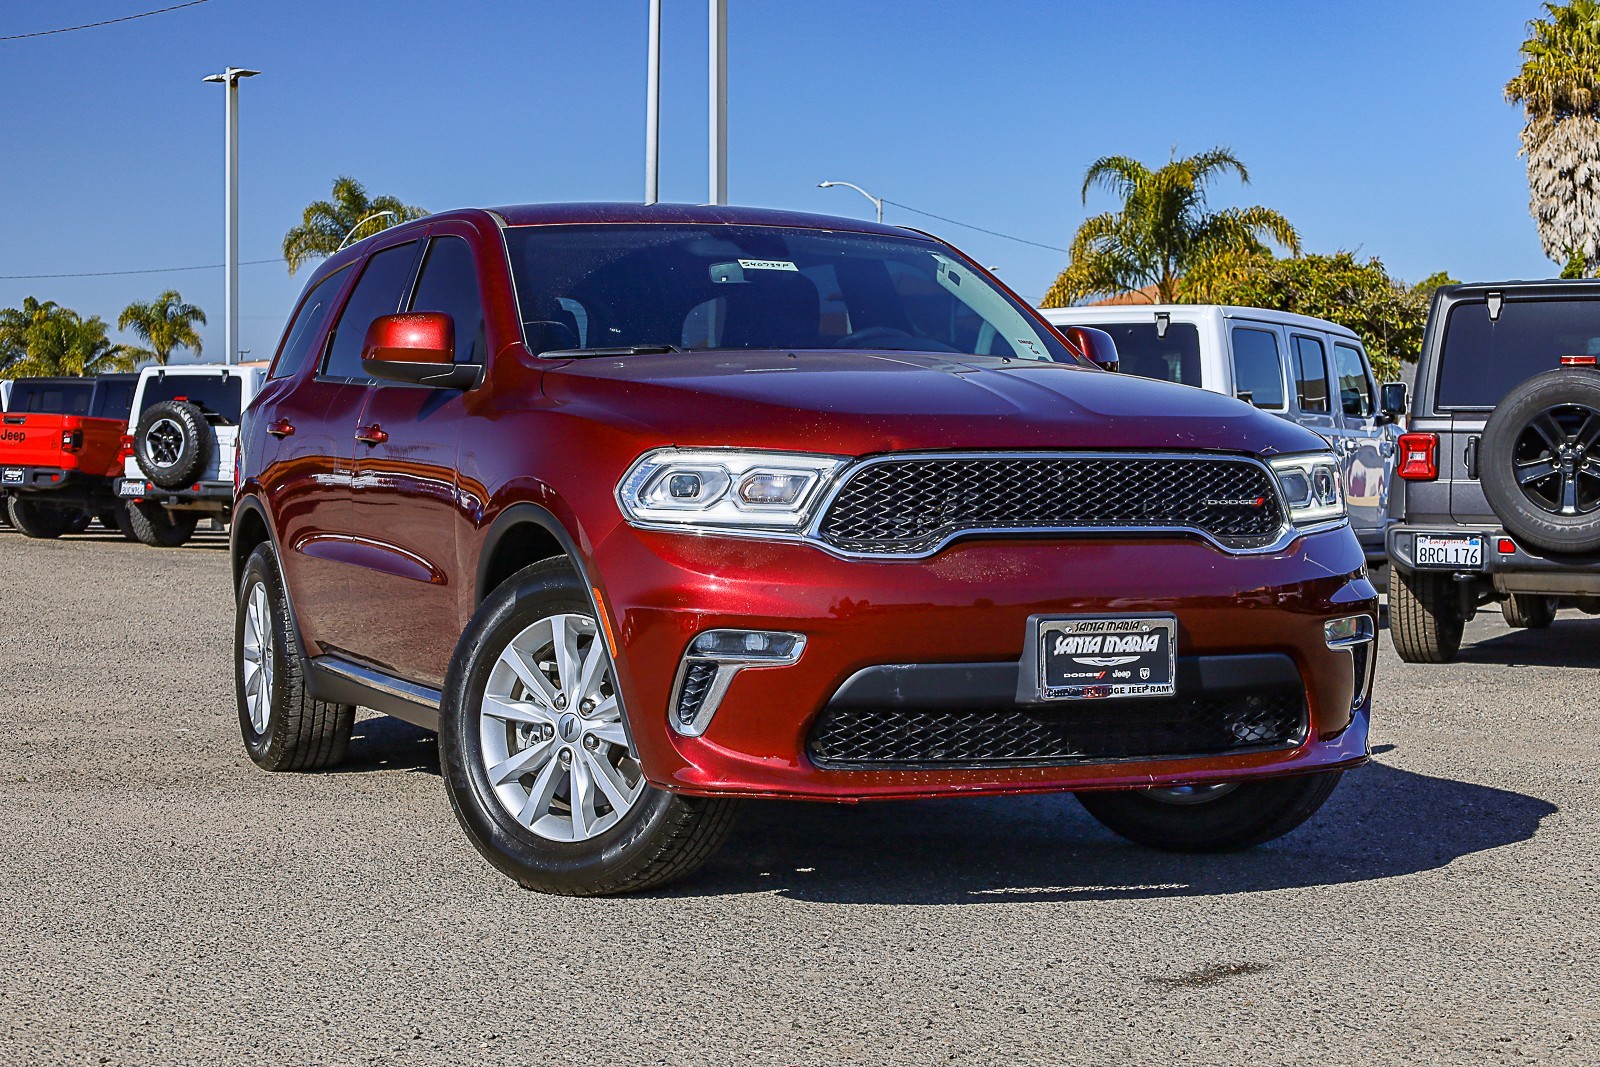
61,444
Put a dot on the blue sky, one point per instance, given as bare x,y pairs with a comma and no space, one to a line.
1375,125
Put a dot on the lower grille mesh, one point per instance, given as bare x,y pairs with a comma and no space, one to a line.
1081,732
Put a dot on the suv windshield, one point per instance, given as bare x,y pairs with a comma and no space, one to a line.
1483,360
218,396
707,287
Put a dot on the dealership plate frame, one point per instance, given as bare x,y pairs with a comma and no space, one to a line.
1033,687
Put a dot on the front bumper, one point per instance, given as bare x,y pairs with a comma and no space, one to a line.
1521,570
967,607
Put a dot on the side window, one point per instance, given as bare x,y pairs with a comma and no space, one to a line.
305,326
378,292
1355,387
449,283
1257,367
1311,375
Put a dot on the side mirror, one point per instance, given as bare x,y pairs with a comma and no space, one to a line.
417,348
1392,399
1097,345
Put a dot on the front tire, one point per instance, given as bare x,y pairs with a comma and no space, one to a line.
157,527
40,520
1225,817
1425,620
284,728
1528,611
536,756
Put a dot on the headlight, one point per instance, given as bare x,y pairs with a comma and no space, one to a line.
1311,489
716,489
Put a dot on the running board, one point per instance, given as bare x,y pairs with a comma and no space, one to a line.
338,681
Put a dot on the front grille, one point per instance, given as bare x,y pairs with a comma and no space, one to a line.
912,504
1079,732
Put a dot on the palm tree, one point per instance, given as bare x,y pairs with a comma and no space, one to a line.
1559,90
327,223
57,341
1163,239
165,323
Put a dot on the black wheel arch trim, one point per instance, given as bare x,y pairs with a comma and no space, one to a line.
524,513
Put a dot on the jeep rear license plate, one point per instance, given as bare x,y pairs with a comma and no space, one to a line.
1094,657
1451,552
131,489
11,476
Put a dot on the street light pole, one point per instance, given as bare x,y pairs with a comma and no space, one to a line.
230,79
877,201
652,110
719,101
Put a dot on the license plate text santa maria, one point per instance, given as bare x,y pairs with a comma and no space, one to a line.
1105,644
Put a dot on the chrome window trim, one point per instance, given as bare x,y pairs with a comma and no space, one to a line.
811,533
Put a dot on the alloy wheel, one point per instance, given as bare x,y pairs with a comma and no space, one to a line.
552,739
256,658
164,441
1556,462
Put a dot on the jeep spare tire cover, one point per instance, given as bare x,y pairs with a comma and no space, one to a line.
172,443
1539,461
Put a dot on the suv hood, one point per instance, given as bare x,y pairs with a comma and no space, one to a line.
857,403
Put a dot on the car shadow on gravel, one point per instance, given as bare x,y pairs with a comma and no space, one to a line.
1573,640
379,743
1382,822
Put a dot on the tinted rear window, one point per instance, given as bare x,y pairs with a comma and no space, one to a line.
113,399
218,397
52,398
1173,358
1481,361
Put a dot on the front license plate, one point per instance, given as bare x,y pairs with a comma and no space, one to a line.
1454,552
11,476
131,489
1095,657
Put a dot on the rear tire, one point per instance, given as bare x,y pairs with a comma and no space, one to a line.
1528,611
1226,817
157,527
284,728
39,520
1425,621
545,785
122,520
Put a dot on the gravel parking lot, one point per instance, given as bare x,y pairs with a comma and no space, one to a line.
166,902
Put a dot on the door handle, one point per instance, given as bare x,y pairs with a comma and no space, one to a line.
282,428
372,435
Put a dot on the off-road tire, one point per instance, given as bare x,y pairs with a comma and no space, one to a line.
39,519
662,838
122,520
1528,611
302,734
1425,620
188,435
157,527
1577,533
1251,814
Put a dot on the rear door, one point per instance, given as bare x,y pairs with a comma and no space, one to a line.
315,465
406,503
1365,451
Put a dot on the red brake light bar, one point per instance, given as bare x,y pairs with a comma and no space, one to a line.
1419,457
1579,361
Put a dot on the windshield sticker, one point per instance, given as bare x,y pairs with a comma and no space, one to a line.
767,264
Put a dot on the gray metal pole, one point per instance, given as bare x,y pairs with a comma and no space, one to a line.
229,79
231,226
652,121
719,101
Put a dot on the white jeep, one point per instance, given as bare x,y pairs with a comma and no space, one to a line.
183,433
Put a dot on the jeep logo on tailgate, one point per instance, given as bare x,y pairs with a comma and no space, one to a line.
13,435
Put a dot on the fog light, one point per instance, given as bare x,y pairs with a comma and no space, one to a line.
775,488
710,663
1357,635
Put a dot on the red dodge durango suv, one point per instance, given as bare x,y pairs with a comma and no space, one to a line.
645,509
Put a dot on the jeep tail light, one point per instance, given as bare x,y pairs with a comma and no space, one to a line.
1419,457
125,450
72,440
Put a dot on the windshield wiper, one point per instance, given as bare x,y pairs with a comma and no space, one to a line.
624,350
